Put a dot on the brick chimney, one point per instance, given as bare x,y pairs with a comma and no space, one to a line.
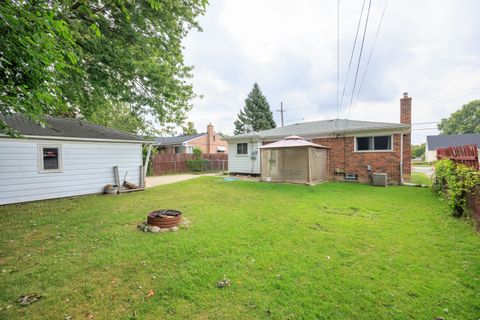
406,118
209,137
406,109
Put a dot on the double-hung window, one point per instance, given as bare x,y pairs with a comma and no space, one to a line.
374,143
50,158
242,148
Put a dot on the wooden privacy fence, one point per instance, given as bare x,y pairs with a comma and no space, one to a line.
473,201
168,163
467,155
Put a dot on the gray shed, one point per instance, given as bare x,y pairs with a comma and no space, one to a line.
295,160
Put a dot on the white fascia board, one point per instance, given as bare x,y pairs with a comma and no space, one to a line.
75,139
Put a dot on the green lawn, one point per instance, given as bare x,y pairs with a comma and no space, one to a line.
333,251
420,178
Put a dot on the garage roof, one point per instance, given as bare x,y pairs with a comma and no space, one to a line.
68,128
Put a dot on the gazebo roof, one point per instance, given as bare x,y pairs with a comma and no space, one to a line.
292,142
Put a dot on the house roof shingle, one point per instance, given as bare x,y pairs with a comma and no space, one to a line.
453,140
66,127
177,139
320,128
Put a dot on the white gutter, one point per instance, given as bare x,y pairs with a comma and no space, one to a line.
76,139
401,158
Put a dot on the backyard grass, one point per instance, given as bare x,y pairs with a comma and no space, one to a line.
333,251
420,178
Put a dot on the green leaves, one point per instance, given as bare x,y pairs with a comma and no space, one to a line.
454,182
81,57
256,115
465,120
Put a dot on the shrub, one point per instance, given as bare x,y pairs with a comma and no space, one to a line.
454,182
197,153
196,164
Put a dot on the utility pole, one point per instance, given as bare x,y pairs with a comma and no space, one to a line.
282,111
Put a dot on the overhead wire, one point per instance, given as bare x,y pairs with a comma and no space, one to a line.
351,56
358,63
371,52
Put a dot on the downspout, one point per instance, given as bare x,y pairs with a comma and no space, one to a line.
401,158
147,161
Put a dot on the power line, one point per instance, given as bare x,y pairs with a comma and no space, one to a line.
371,51
338,52
420,123
358,62
351,56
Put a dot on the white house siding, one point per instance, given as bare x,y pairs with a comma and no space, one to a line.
243,163
87,168
431,156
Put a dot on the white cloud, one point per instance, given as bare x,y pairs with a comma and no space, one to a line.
427,48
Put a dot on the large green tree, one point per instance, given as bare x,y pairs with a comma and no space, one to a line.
78,57
189,129
465,120
256,115
418,151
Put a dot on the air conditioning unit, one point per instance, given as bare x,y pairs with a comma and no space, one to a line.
379,179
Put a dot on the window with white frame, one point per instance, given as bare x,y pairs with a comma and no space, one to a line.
50,158
242,148
373,143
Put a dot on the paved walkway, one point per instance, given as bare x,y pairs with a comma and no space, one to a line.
159,180
423,169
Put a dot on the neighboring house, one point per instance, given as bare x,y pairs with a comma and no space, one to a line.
69,157
210,142
356,148
443,141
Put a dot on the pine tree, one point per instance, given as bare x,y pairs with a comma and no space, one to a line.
256,115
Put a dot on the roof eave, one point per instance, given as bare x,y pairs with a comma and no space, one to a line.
76,139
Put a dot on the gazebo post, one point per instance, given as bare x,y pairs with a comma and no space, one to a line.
308,166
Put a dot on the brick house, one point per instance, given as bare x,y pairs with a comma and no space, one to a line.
356,148
210,143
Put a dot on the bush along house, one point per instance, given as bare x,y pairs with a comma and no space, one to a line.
356,149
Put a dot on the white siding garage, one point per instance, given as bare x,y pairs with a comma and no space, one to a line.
38,168
87,168
244,158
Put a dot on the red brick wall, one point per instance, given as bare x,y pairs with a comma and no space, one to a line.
342,155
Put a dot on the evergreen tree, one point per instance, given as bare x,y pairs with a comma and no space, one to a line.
256,115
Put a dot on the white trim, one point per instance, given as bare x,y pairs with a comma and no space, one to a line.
41,168
355,150
241,154
401,159
348,133
76,139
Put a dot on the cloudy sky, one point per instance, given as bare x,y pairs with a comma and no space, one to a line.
431,49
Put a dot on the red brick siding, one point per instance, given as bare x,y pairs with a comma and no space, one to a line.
342,155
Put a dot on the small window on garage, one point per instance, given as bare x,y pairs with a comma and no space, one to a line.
242,148
375,143
50,158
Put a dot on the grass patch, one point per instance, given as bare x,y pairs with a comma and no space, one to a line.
333,251
420,178
420,163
